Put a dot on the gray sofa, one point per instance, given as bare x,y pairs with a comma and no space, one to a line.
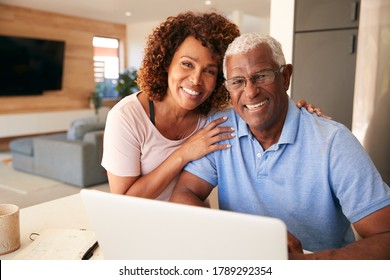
73,157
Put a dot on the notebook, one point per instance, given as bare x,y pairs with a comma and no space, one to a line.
58,244
145,229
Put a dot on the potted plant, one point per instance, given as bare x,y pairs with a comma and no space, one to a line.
127,83
96,98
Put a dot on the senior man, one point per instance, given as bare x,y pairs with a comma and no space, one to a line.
284,162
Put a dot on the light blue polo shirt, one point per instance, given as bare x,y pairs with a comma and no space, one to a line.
318,178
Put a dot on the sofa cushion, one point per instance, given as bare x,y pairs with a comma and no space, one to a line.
22,146
79,127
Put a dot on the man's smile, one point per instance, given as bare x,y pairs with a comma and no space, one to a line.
256,106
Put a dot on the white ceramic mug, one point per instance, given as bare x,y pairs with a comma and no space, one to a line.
9,228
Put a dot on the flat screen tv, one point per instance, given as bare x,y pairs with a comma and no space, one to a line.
29,66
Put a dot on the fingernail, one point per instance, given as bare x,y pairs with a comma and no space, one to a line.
225,117
232,128
228,145
233,134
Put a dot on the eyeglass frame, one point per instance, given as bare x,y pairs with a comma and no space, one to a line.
252,78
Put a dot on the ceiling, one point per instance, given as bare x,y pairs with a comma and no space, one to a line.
142,10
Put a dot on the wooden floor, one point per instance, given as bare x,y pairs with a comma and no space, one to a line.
39,196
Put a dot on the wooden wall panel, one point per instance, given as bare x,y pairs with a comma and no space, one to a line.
78,80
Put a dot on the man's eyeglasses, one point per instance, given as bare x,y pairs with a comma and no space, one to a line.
259,79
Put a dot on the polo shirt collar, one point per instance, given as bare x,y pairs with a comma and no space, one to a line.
291,124
243,128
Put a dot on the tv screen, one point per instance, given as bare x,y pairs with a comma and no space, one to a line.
30,66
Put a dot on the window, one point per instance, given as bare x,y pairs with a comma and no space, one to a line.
106,65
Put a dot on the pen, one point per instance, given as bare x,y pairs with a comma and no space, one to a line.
88,254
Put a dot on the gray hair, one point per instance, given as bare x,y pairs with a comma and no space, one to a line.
248,41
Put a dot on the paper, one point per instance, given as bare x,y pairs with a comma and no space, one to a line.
58,244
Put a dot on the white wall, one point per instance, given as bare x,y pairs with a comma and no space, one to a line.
282,26
372,63
138,33
371,115
248,23
136,40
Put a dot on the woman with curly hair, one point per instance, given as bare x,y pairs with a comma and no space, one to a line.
151,135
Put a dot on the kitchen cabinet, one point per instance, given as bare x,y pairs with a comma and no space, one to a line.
324,55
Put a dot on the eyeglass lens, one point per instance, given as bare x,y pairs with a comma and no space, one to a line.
262,78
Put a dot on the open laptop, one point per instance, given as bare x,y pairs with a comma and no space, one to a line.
145,229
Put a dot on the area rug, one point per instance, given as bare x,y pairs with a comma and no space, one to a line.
21,182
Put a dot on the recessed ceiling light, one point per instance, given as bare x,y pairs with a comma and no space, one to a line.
208,2
128,14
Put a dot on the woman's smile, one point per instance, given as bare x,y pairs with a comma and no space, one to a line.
190,91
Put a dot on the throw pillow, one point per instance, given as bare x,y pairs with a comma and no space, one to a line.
79,127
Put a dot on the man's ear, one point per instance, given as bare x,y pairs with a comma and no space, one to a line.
287,73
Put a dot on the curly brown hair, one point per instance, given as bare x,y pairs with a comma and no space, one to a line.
214,31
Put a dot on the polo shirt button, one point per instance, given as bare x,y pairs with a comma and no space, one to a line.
259,155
